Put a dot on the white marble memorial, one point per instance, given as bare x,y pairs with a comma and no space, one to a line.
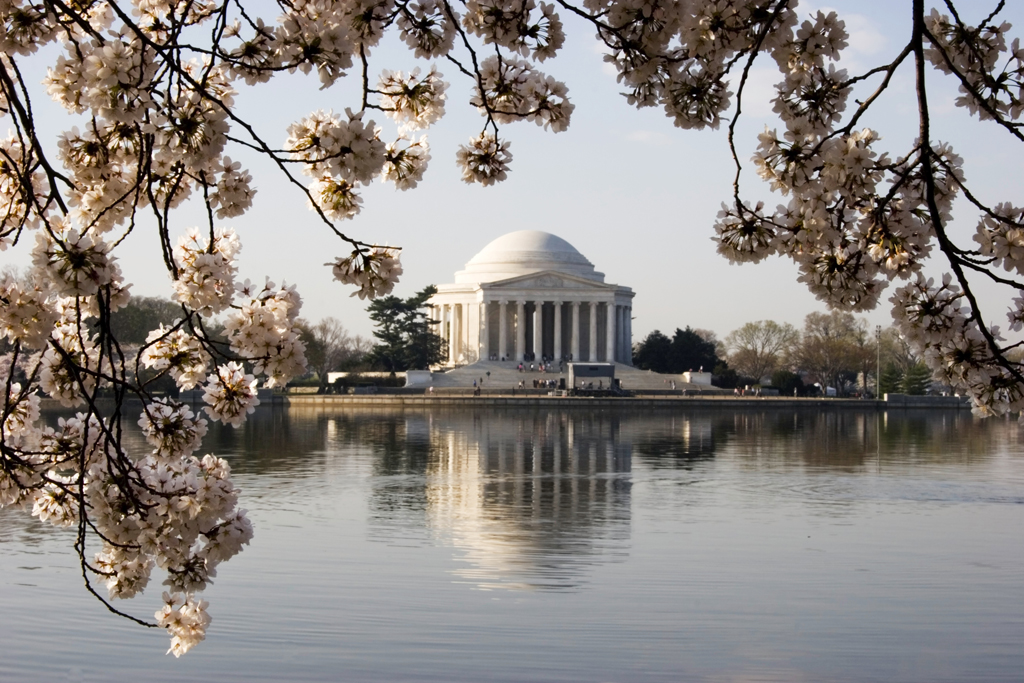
530,295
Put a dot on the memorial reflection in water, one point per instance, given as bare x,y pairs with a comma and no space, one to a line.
535,499
530,499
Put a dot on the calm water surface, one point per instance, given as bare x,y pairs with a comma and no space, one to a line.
576,545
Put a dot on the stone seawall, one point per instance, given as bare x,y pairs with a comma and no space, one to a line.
895,402
676,402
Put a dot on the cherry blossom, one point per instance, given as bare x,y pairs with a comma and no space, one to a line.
177,352
405,165
262,329
485,160
375,271
412,101
28,314
206,272
172,429
230,395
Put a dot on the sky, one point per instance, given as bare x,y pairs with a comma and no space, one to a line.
635,195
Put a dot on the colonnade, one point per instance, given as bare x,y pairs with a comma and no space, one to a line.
523,329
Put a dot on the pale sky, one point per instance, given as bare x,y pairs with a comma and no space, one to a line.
635,195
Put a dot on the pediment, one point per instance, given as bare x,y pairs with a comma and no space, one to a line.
547,280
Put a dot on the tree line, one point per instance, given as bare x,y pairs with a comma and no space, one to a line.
402,338
834,349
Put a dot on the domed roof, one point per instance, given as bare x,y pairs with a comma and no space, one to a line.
524,252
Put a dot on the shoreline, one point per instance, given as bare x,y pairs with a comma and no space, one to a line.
901,402
897,402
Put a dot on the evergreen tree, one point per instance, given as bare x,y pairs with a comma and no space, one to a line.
891,381
653,352
916,380
691,352
786,381
685,351
405,341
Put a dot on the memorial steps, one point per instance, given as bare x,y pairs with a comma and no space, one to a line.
505,375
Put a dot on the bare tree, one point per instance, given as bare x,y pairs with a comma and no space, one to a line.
712,338
328,345
897,350
832,346
757,349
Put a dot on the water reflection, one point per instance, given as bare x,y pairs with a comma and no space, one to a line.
854,441
531,500
659,546
536,499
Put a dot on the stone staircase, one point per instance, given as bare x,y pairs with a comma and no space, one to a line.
504,375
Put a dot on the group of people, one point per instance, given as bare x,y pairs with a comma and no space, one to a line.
544,366
529,356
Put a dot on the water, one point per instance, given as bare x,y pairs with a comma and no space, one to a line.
577,545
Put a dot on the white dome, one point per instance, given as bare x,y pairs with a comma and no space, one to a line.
524,252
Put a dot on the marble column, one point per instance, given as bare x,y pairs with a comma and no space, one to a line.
593,332
629,334
557,354
451,333
575,341
619,333
485,332
609,333
626,350
520,330
538,330
503,330
445,330
456,332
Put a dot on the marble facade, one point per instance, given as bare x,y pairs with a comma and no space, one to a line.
530,295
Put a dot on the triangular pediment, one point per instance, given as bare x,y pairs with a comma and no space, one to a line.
546,279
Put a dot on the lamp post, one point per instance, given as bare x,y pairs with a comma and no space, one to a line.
878,362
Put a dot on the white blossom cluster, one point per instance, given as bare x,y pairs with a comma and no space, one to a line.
340,154
206,272
519,26
992,77
21,410
28,314
405,161
164,508
76,264
185,619
374,270
485,159
263,330
178,353
181,515
172,429
513,90
231,394
16,196
426,28
414,102
70,366
936,320
1000,236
